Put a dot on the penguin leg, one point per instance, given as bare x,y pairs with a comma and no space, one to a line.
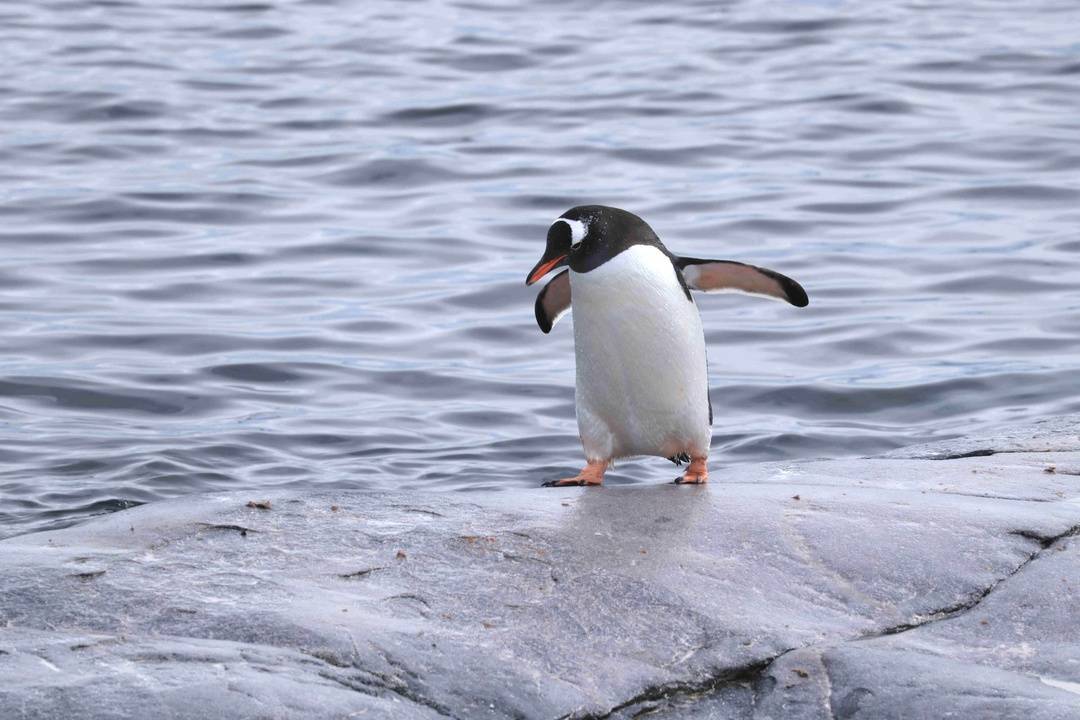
696,473
591,474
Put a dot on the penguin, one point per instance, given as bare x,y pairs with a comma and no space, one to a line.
642,383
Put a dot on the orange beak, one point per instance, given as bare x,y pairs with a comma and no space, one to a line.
543,268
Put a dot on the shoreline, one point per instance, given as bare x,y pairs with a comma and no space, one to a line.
884,587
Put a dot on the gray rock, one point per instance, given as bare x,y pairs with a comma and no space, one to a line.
1054,434
63,674
872,588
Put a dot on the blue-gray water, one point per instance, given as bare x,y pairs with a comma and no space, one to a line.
284,243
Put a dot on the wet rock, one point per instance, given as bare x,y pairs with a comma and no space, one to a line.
1055,434
897,587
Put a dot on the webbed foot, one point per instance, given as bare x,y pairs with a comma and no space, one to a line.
591,474
696,474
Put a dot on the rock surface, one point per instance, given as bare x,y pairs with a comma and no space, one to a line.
902,587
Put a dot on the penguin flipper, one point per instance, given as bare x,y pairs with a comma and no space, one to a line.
728,276
553,301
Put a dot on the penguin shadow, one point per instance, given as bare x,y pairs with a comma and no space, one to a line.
638,525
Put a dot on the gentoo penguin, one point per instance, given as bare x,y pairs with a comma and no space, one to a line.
642,381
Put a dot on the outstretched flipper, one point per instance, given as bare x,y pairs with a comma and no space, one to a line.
731,276
553,301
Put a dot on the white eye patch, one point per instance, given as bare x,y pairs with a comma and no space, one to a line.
578,231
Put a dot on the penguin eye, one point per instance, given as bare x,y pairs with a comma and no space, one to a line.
578,231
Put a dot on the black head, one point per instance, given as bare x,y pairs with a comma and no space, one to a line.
587,236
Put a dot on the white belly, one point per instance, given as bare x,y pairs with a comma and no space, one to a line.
642,383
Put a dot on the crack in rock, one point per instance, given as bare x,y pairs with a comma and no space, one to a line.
360,685
752,673
983,452
987,452
973,600
88,575
741,675
360,573
238,528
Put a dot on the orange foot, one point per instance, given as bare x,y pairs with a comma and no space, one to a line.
591,474
696,473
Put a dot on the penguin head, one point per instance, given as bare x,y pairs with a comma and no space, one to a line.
587,236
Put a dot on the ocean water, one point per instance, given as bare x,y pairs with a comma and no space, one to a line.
284,243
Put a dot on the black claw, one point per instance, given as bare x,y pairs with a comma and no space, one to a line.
681,480
556,483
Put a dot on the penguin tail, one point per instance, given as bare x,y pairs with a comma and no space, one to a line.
680,458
